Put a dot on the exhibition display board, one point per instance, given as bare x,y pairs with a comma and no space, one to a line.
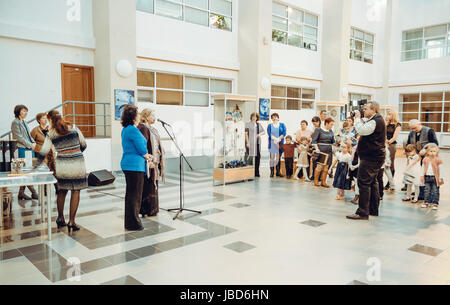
231,162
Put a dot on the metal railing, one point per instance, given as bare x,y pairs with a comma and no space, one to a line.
73,115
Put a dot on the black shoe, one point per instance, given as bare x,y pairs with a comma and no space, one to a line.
404,189
280,175
60,223
375,215
72,228
357,217
34,196
23,197
257,175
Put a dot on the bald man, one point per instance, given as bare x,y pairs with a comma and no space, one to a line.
419,137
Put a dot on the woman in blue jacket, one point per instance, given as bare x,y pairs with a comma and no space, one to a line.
134,163
276,132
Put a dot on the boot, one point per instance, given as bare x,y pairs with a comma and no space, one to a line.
271,172
355,200
22,195
34,195
324,176
317,173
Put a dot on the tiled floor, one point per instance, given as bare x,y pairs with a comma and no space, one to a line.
262,232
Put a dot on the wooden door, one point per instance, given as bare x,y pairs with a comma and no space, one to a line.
78,85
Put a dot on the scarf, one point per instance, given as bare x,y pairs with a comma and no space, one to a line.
435,165
157,153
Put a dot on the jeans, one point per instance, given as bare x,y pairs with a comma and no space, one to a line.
369,196
431,190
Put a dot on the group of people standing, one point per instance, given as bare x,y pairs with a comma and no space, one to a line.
60,145
362,152
142,164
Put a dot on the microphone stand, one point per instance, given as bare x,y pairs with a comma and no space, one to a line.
182,159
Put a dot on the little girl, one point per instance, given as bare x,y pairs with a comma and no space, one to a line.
342,179
432,176
412,173
302,160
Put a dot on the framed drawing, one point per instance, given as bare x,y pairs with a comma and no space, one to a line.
121,99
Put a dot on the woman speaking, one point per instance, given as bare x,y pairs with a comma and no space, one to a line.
133,165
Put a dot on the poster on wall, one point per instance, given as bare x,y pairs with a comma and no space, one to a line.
264,109
122,98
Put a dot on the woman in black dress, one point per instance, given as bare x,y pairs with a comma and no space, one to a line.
393,128
150,196
322,140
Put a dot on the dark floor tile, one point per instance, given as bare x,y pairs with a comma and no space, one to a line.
121,258
126,280
425,250
61,274
239,246
5,255
34,249
239,205
145,251
313,223
169,245
94,265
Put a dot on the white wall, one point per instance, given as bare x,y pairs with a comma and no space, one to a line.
31,75
98,155
419,14
292,61
35,38
369,16
169,39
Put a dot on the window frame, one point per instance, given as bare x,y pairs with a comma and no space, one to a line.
424,48
208,11
155,88
288,33
420,111
300,99
364,44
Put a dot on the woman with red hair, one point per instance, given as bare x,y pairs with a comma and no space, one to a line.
70,169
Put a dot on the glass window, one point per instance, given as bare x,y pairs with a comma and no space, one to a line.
431,107
432,97
145,79
212,13
311,20
169,81
406,117
447,96
295,40
297,98
220,22
412,55
278,103
294,27
278,91
222,7
439,30
144,6
145,96
169,9
196,99
279,36
196,16
293,92
197,84
426,43
220,86
279,23
361,46
410,98
166,97
295,15
308,94
197,3
279,9
293,104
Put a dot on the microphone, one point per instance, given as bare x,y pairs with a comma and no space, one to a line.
164,123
